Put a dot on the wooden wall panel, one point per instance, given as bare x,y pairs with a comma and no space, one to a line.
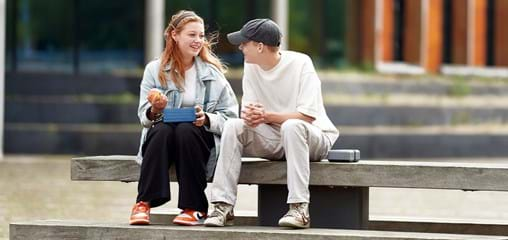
360,32
433,47
478,36
501,33
368,30
459,32
412,31
352,31
386,40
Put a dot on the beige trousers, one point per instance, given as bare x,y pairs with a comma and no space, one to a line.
296,141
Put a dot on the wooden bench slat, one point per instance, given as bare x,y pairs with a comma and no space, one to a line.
366,173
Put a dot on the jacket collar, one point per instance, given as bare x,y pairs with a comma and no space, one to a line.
202,70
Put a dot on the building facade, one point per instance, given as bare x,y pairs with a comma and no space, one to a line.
435,36
73,67
76,36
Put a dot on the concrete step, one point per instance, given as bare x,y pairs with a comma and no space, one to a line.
77,139
426,142
367,84
41,84
165,218
70,112
438,225
343,110
376,115
373,142
415,100
332,82
54,229
415,110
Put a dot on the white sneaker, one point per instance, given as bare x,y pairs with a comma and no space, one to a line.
297,216
221,216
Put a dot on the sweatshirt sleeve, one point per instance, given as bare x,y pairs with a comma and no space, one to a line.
309,94
226,107
147,83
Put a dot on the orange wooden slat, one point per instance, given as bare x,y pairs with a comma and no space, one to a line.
412,31
352,31
478,39
387,31
433,36
459,32
501,33
368,30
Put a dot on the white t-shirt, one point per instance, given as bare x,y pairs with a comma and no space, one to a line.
189,95
291,86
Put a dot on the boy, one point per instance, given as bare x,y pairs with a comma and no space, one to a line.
282,117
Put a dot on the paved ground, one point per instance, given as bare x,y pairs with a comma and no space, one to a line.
39,187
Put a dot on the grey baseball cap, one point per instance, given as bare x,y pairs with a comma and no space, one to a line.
259,30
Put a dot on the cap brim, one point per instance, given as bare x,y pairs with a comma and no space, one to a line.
236,38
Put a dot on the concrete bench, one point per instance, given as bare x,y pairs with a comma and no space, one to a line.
339,191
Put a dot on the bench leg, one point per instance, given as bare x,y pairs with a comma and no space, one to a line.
330,207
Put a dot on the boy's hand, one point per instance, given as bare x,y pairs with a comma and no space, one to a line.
254,114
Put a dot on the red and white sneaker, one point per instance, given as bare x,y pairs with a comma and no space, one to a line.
190,217
140,214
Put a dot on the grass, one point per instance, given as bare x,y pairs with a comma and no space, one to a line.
459,88
120,98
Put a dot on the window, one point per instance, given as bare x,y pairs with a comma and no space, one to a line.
41,36
71,36
111,35
225,17
318,28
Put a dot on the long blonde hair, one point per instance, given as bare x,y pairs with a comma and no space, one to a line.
172,54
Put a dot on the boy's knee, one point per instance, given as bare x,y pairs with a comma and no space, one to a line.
292,126
234,125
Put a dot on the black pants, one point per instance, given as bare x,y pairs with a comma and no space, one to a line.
188,147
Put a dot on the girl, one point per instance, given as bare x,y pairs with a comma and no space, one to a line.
187,74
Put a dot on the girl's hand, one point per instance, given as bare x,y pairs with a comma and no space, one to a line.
157,100
200,117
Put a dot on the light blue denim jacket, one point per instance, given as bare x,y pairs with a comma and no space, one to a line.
221,104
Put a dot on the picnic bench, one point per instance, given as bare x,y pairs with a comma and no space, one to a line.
339,191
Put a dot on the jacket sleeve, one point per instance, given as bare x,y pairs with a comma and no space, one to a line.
226,107
147,83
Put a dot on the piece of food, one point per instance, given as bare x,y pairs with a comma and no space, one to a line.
154,95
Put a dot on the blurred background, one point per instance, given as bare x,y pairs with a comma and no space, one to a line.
401,79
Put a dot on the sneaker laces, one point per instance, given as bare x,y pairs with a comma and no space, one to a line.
141,207
220,210
298,210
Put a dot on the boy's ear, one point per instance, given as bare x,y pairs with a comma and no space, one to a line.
261,46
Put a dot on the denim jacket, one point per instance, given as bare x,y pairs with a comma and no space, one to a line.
221,104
